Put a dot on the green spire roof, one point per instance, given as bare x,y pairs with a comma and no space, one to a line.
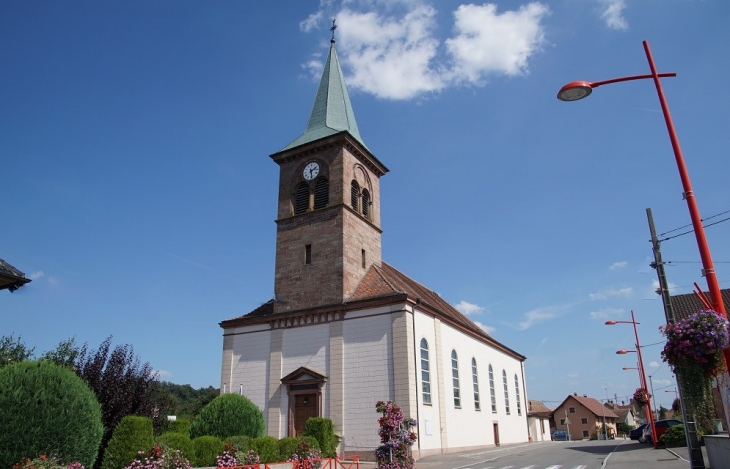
332,110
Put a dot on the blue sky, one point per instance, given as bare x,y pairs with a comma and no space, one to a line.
140,197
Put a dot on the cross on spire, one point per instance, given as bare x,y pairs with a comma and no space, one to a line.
334,26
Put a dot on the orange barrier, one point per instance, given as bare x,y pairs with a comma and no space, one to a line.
325,463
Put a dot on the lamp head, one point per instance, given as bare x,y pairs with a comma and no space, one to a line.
575,91
623,352
611,323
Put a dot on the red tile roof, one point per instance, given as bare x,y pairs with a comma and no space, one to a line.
684,305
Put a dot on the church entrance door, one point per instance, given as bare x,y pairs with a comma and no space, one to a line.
495,426
304,408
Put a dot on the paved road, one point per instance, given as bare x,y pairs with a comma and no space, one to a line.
612,454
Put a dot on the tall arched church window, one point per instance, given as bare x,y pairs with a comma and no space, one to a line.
425,373
506,391
517,395
491,389
365,203
321,193
301,198
455,378
355,196
475,383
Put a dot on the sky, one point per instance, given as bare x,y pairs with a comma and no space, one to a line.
140,197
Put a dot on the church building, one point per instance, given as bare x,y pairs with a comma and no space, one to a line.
345,329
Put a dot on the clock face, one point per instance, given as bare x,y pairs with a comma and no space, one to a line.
311,171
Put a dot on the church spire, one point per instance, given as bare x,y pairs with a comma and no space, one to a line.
332,111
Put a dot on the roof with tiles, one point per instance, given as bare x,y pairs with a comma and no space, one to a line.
538,409
332,111
684,305
10,277
387,280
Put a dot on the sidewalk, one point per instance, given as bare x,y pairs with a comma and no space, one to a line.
646,457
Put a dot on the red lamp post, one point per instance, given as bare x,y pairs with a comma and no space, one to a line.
581,89
642,374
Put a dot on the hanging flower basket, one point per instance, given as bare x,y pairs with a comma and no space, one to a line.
697,342
641,397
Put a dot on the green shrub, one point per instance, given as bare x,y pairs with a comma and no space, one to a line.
287,447
323,430
179,425
45,408
239,443
206,448
172,441
133,434
267,447
673,437
229,415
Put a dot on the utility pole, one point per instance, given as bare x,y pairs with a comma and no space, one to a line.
697,461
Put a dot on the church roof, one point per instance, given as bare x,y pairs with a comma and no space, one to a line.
387,280
332,111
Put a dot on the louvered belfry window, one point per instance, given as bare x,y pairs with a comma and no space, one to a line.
301,199
321,193
355,196
365,203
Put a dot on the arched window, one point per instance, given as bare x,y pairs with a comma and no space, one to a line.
475,382
506,391
321,193
455,378
492,393
425,373
355,196
365,199
301,198
517,395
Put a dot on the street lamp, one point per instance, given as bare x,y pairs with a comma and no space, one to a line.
642,373
581,89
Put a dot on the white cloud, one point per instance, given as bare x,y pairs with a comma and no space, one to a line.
390,57
466,308
606,313
487,42
612,14
618,265
389,49
611,293
488,329
164,373
537,316
654,365
37,274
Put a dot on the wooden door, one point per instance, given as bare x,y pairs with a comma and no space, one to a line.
305,406
496,433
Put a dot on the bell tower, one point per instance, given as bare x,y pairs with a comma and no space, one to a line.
328,222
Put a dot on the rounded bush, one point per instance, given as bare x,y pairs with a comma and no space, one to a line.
267,447
133,434
323,430
313,442
46,408
229,415
206,448
287,447
172,441
674,436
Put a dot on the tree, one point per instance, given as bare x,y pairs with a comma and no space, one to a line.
121,383
662,412
65,353
13,350
676,405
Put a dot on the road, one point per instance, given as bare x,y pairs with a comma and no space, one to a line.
611,454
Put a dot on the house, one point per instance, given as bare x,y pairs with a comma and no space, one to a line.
11,278
625,414
538,420
345,329
583,417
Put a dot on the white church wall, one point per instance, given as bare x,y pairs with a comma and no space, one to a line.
429,422
466,426
249,366
367,373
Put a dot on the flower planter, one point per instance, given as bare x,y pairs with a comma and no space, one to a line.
718,450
